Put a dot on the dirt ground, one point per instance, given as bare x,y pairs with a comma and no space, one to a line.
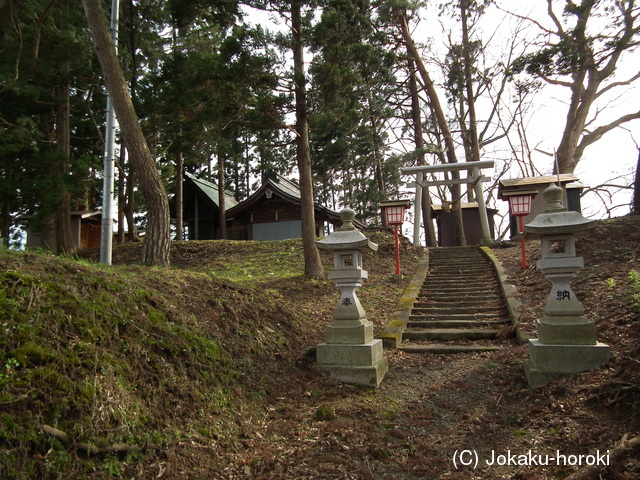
465,416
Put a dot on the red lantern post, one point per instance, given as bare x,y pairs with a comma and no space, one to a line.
521,207
394,211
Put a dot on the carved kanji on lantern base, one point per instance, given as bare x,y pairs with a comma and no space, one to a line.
566,342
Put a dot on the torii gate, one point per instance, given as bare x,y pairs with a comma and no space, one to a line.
475,178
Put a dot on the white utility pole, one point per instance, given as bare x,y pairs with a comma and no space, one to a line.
106,239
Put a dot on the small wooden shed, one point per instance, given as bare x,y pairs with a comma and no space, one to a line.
470,220
535,186
273,213
85,230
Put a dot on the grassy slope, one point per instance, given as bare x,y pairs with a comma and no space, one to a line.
126,355
141,357
183,365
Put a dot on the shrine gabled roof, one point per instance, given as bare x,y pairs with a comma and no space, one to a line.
210,190
527,183
437,209
283,188
278,185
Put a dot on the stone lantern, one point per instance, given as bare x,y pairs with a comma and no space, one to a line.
566,342
350,353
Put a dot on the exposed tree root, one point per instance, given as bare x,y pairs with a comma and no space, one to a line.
619,452
87,448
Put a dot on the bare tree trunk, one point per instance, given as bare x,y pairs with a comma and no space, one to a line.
130,206
443,126
427,220
179,197
123,181
474,145
156,247
379,173
472,131
312,263
64,240
635,208
221,200
591,73
6,224
377,160
5,218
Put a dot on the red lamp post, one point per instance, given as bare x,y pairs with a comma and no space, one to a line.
520,206
394,212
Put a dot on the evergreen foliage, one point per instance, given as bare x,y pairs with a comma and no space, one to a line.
353,75
44,48
215,87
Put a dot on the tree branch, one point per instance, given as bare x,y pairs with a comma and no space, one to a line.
554,17
618,84
594,136
551,81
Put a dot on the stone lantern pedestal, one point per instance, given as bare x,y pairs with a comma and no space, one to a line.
350,353
566,342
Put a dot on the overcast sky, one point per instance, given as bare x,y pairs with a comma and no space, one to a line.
616,153
612,157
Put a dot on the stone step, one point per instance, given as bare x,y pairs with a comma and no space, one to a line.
456,309
428,302
458,292
465,289
437,283
455,275
453,309
458,297
458,267
450,294
450,334
471,264
459,306
471,288
455,323
455,250
458,279
472,260
448,349
456,316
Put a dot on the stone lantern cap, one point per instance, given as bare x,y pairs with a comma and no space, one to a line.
347,237
556,220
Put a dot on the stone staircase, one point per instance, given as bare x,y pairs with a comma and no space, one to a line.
459,307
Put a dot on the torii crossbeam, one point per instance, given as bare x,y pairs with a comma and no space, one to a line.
474,178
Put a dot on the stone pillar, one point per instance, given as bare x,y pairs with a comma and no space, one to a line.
566,342
350,353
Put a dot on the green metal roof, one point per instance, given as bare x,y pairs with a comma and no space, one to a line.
210,190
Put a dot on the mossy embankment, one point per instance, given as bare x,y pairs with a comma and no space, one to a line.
104,371
129,356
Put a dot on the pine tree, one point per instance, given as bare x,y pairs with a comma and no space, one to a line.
156,247
352,74
48,81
